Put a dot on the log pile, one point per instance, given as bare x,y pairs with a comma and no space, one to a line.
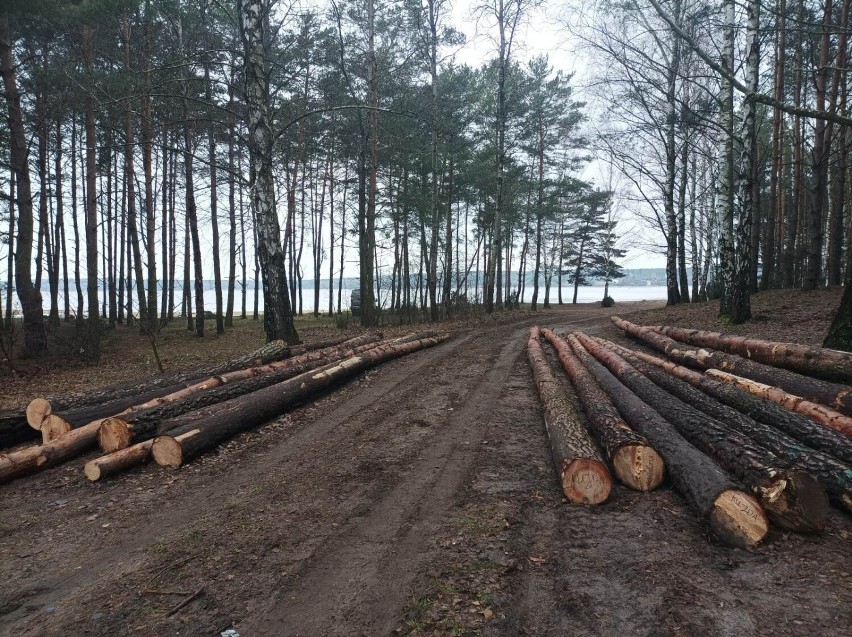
741,452
222,400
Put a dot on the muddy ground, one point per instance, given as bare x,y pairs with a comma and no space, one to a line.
417,499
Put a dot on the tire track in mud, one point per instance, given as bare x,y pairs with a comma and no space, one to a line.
360,582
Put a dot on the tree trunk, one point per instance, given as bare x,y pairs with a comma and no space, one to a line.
804,506
733,515
140,422
782,432
92,348
805,359
635,462
834,395
582,473
816,412
35,339
214,425
725,179
785,495
277,316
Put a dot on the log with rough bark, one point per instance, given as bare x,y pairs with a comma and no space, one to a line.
815,411
36,458
769,413
133,389
123,430
172,393
785,493
830,364
14,428
582,473
19,463
210,426
634,461
118,461
834,395
833,475
734,516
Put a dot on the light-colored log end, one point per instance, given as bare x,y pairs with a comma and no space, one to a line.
113,434
586,481
639,467
167,452
37,411
738,519
53,427
92,470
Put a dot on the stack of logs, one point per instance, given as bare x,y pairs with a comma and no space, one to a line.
177,416
763,435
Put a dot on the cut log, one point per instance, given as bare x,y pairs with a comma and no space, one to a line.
121,431
19,463
830,364
633,459
733,515
836,396
212,425
274,351
815,411
770,413
783,492
37,411
581,470
118,461
792,454
14,428
52,427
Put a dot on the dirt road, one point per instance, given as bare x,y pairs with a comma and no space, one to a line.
419,499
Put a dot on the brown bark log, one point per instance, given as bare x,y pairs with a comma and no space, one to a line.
274,351
19,463
633,459
119,461
733,515
829,364
827,471
582,473
123,430
211,426
819,413
769,413
14,428
784,493
834,395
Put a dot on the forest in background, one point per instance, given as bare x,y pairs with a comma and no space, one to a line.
151,144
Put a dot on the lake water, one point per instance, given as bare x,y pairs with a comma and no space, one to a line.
585,294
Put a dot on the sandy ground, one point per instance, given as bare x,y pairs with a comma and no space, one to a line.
417,499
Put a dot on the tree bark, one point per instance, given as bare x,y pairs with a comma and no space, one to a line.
733,515
214,425
582,473
825,363
804,504
815,411
838,397
781,432
92,349
140,422
634,460
35,338
785,494
277,316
